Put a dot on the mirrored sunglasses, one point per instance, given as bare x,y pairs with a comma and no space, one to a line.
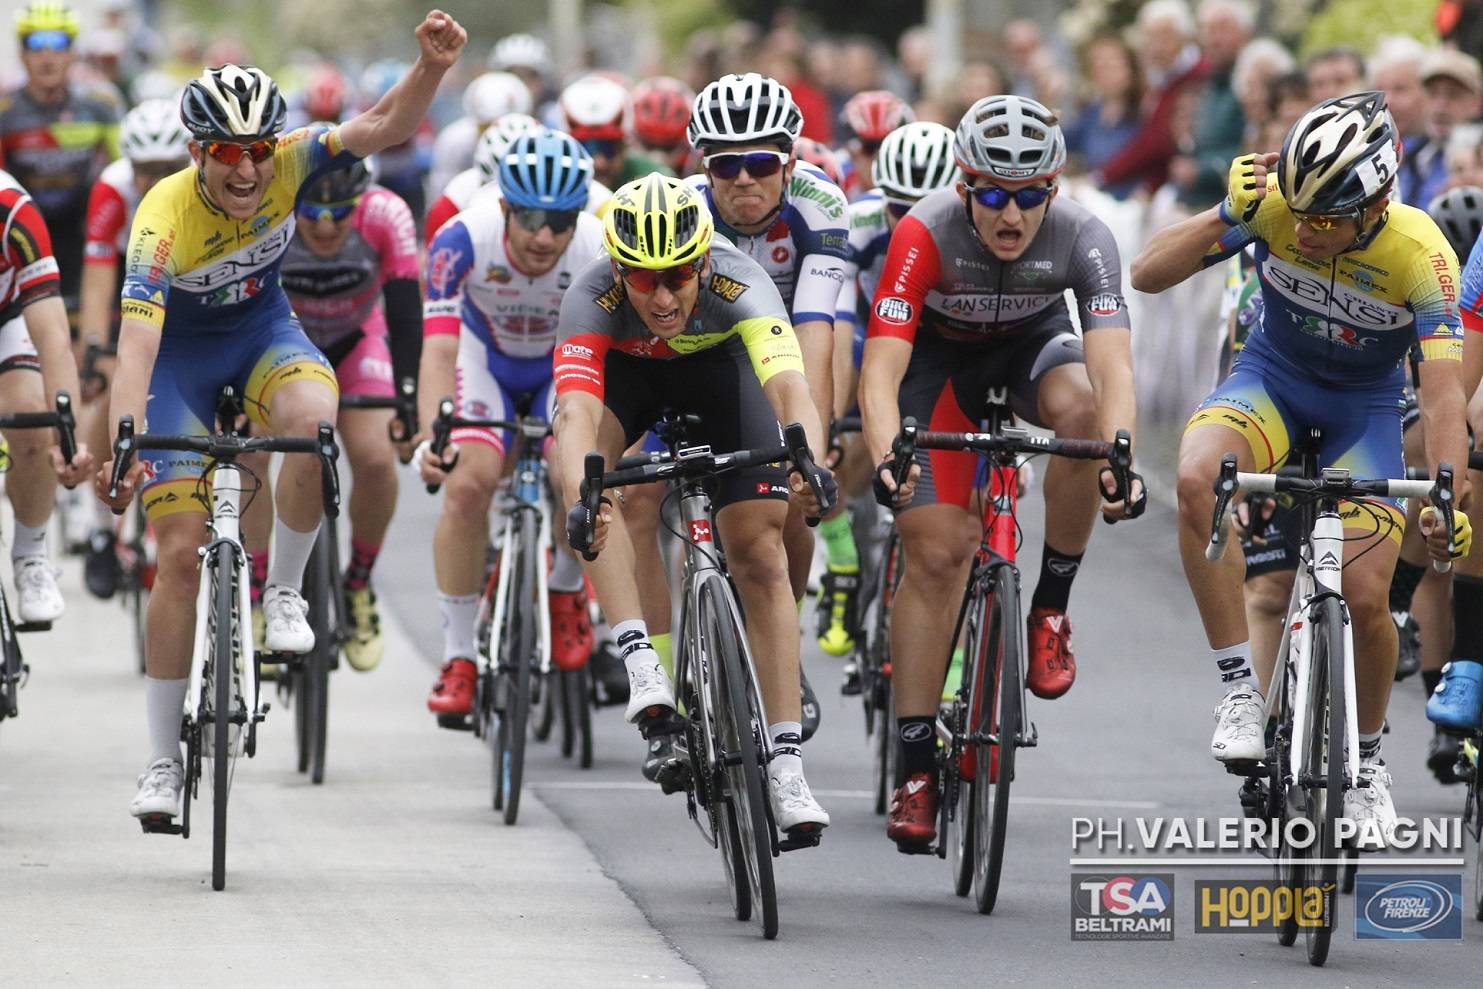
759,164
229,152
994,197
647,280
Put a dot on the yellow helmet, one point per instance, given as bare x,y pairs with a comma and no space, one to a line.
657,222
46,15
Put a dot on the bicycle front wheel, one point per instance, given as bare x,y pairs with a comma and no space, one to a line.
219,667
10,663
576,715
1475,796
1324,801
319,576
741,753
994,717
517,658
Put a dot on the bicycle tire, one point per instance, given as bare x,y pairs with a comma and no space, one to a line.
319,587
561,685
224,575
884,761
1325,805
10,663
994,765
516,664
577,689
875,675
545,722
298,697
1289,874
738,723
957,784
1475,794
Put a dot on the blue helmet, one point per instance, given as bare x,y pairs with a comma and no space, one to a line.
545,170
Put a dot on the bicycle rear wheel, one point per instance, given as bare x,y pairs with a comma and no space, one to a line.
738,724
11,663
995,712
219,668
576,715
1475,797
1324,802
517,658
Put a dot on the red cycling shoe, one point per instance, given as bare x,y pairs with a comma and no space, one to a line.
913,816
1052,668
571,629
454,691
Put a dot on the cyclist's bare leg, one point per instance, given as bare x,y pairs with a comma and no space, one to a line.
1368,566
1267,598
612,572
297,410
1217,587
31,483
798,542
257,518
463,526
752,532
938,543
171,622
1068,408
373,475
641,507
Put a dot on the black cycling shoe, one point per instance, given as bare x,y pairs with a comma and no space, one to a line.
1442,755
609,676
810,704
666,765
1408,631
850,685
101,570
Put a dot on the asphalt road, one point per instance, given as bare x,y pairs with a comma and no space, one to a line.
397,871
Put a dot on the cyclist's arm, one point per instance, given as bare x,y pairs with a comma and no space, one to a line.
578,364
138,346
1431,296
911,270
98,290
38,291
824,245
1444,417
1179,252
448,265
396,116
1471,306
1097,281
401,290
881,372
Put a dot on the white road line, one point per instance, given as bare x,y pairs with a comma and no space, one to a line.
846,794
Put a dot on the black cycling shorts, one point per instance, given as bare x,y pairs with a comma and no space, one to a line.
947,387
716,384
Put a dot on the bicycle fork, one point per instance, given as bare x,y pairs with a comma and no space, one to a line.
1325,569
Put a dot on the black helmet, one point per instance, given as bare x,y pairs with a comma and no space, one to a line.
339,186
1459,212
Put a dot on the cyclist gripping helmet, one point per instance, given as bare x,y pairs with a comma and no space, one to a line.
548,170
1011,138
657,222
233,103
1340,156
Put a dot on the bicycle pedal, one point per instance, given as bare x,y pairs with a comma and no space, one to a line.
666,722
674,777
456,722
911,848
799,838
159,825
1248,768
33,627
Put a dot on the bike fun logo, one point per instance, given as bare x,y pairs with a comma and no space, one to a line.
1408,908
1260,906
1130,907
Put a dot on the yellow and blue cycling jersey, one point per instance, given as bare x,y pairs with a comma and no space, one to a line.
1350,321
192,268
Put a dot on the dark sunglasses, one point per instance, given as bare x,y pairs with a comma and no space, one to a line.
898,208
993,197
229,153
533,218
48,41
759,164
314,212
603,148
1326,221
647,280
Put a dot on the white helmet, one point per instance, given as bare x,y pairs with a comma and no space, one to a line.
495,94
1340,156
496,138
595,106
155,84
520,51
152,131
745,109
913,160
1010,137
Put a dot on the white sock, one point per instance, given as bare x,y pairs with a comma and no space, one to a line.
1234,664
632,637
1369,745
291,551
103,516
787,739
460,612
164,703
566,572
29,540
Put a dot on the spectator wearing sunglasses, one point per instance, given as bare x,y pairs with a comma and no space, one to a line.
497,274
203,307
351,273
972,298
56,136
672,317
596,111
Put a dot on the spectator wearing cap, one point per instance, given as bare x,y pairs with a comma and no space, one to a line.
1335,72
1225,27
1453,83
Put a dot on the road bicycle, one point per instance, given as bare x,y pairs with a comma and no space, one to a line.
305,683
982,728
13,668
514,615
1312,755
723,726
223,702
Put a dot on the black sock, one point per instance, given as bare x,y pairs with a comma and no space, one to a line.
918,744
1403,584
1467,617
1430,679
1057,571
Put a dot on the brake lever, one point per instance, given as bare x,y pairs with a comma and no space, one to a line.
1225,489
123,457
592,497
1442,497
1120,462
796,440
329,477
442,430
66,429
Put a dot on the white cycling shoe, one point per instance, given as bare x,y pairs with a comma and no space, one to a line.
1239,722
38,598
793,804
159,790
287,617
648,685
1370,808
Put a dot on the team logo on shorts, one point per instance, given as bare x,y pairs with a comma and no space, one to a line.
893,309
1106,304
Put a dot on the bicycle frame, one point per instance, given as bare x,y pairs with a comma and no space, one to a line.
529,490
225,525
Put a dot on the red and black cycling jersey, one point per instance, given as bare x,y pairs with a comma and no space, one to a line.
28,271
938,274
